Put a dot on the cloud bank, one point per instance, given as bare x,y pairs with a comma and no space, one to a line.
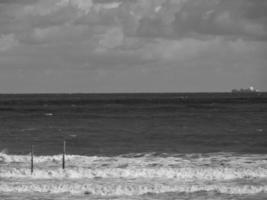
132,45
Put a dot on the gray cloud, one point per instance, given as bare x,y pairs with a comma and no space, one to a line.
135,39
239,18
17,1
150,18
223,18
109,1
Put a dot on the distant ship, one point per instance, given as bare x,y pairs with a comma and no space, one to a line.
251,89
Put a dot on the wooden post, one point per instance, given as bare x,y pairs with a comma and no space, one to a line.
31,159
63,156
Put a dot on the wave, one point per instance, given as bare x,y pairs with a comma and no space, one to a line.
129,188
220,166
207,173
135,174
146,158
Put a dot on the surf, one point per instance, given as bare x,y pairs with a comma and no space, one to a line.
119,187
218,166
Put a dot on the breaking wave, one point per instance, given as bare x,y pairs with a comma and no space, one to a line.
200,173
135,174
118,187
182,167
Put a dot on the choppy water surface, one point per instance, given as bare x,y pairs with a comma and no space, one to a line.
134,146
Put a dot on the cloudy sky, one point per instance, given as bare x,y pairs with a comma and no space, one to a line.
132,45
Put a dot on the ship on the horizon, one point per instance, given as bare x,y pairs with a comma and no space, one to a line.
251,89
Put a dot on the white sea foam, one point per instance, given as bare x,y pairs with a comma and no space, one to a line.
134,174
202,167
192,173
147,159
134,187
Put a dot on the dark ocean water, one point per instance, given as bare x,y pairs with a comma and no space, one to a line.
112,124
134,146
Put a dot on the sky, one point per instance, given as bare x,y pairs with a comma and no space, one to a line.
69,46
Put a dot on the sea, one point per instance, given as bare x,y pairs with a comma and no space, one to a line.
155,146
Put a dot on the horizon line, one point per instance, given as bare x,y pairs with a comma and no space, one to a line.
149,92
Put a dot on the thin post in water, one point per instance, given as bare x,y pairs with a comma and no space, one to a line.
31,159
63,156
